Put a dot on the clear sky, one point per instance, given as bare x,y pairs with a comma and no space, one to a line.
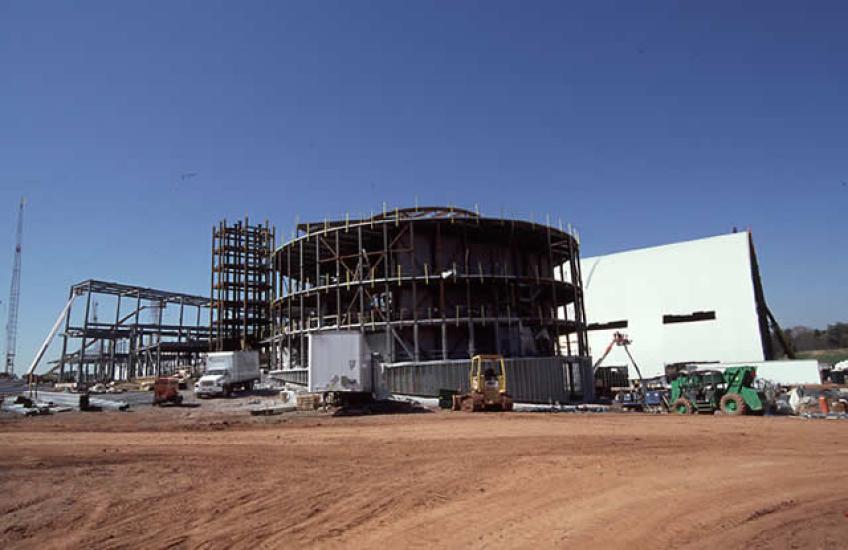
641,123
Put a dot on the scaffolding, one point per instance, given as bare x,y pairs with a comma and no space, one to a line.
430,284
125,345
240,316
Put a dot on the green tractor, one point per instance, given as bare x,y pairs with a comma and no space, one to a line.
706,391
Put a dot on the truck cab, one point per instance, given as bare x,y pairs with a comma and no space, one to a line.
215,381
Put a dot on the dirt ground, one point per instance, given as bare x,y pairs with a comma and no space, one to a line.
188,478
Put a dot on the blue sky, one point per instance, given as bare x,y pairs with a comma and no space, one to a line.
640,123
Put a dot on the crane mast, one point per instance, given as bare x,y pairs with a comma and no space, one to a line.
14,297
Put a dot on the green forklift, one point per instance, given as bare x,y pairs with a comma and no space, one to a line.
731,391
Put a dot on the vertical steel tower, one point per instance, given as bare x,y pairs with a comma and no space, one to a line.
14,297
240,316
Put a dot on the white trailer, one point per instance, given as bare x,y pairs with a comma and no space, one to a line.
338,362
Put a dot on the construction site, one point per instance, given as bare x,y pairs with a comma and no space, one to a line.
429,288
377,379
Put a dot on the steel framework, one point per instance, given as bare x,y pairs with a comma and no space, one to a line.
126,346
240,316
430,284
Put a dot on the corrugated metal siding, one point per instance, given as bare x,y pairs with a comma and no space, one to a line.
530,380
291,376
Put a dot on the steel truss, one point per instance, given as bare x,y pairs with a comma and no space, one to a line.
433,283
124,345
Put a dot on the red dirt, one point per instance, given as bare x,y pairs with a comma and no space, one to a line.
171,478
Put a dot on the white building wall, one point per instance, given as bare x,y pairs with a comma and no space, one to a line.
641,286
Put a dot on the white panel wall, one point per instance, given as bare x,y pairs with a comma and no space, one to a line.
790,372
337,362
640,286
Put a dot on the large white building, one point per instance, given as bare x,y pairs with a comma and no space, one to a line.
699,301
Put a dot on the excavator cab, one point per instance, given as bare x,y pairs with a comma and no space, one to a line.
487,380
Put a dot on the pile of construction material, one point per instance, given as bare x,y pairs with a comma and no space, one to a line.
111,387
27,407
819,401
42,403
308,401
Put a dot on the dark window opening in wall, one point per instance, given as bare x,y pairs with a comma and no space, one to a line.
607,326
697,316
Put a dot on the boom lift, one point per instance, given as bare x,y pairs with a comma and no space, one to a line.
621,339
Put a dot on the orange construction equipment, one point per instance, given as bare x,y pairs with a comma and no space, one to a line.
166,389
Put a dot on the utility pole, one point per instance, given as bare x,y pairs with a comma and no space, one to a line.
14,297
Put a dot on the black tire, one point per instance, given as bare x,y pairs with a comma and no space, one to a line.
682,406
228,391
506,403
732,404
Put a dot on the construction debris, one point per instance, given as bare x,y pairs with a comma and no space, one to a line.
818,399
27,407
82,401
308,401
23,406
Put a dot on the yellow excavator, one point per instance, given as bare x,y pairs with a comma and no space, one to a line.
488,386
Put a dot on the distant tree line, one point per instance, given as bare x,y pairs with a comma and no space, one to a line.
802,338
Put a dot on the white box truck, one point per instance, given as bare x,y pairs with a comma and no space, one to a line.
227,371
338,362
